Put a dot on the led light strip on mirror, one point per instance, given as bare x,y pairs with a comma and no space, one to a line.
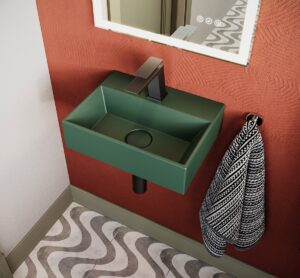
101,14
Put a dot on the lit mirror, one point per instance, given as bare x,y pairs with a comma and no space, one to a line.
222,29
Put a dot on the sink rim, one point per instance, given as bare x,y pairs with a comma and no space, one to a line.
203,124
167,172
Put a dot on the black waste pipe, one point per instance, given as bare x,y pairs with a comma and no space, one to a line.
139,185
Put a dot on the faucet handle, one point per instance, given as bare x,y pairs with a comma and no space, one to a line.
149,67
150,74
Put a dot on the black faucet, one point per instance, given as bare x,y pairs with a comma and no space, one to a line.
150,74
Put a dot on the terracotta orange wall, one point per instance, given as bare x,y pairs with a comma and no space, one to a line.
81,56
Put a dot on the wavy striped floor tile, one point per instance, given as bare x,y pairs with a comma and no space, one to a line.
83,243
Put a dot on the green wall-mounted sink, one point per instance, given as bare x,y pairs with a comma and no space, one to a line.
163,142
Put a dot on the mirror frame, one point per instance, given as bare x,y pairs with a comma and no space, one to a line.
252,12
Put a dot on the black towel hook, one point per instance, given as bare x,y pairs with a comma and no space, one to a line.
250,116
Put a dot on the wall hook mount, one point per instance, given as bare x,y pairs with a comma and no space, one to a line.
250,115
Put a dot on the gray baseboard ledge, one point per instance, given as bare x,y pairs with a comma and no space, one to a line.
5,271
132,220
38,231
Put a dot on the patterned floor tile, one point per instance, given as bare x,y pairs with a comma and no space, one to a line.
139,258
83,243
23,270
182,265
72,246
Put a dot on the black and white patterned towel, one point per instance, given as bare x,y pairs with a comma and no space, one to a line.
233,210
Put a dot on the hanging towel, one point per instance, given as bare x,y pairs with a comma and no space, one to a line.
233,210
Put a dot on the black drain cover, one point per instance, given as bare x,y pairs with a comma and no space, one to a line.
139,138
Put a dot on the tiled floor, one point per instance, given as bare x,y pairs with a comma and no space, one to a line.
83,243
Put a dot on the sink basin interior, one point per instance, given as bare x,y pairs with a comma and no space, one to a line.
164,131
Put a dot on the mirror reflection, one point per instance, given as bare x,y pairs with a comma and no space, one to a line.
214,23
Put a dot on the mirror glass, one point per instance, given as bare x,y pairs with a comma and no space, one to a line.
218,28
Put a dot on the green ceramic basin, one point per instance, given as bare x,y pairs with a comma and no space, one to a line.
163,142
